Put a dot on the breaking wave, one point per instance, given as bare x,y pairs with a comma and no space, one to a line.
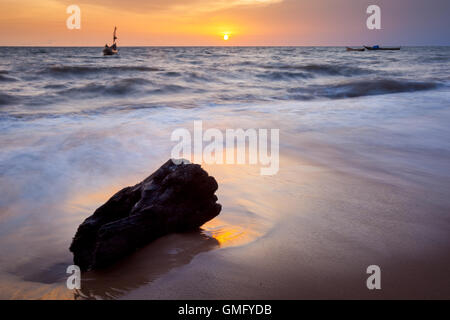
373,87
116,87
354,89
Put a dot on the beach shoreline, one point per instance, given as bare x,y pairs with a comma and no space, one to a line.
363,176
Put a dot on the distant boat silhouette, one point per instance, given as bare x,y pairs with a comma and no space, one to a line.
109,51
355,49
381,48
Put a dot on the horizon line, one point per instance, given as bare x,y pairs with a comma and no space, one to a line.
217,46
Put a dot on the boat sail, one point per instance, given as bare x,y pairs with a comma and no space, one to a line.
112,50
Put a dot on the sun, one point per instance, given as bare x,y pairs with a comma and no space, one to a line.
226,37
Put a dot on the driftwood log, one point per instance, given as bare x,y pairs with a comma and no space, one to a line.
175,198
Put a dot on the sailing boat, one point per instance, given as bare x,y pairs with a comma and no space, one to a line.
109,51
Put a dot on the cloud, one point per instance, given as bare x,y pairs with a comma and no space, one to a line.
187,7
216,5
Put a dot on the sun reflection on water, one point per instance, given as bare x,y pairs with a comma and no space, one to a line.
229,235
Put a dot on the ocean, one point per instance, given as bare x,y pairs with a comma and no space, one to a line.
56,82
364,168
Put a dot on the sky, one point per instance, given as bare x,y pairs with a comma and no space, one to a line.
205,22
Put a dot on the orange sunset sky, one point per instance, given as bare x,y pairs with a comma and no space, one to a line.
204,22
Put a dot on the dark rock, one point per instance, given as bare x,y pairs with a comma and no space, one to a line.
175,198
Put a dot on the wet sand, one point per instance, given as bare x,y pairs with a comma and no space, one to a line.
282,239
326,231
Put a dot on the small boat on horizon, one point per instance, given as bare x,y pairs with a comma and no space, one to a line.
355,49
111,50
377,47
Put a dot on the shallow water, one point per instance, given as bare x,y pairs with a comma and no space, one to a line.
364,172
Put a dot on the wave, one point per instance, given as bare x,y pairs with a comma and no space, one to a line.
4,78
117,87
170,88
322,69
434,59
83,70
7,99
197,77
245,63
55,86
372,87
172,74
7,79
283,75
120,88
100,111
38,51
